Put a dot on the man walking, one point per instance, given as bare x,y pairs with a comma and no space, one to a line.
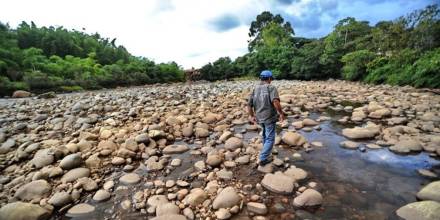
265,109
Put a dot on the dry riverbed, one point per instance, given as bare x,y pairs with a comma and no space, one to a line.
347,151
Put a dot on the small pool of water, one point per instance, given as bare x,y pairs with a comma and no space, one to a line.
361,185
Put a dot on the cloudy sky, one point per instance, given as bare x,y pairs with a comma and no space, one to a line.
194,32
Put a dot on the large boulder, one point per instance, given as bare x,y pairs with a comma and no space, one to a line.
156,200
23,211
309,122
430,192
430,116
21,94
225,136
172,120
201,132
380,113
7,146
75,174
297,174
80,209
131,144
406,146
101,195
170,217
60,199
227,198
71,161
37,189
130,178
188,130
175,149
310,197
108,145
233,143
298,124
360,132
278,183
257,208
293,139
125,153
349,144
142,138
424,210
214,160
196,197
358,116
167,209
210,118
44,157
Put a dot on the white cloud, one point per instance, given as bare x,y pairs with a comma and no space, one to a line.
181,30
159,30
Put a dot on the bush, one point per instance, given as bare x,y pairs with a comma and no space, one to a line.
39,81
7,87
71,88
426,71
378,69
405,69
355,64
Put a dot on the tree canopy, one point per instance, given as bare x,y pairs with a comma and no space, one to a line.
404,51
54,58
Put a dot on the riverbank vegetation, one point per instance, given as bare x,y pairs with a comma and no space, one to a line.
56,59
400,52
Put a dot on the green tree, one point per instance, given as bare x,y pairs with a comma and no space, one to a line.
306,63
355,64
344,39
262,20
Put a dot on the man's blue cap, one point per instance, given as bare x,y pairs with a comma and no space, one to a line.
266,74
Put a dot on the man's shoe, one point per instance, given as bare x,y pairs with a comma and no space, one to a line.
264,162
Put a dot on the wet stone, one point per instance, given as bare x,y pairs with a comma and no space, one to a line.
227,198
60,199
175,149
71,161
424,210
130,178
257,208
430,192
225,174
310,197
101,195
37,189
223,214
80,209
278,183
23,211
75,174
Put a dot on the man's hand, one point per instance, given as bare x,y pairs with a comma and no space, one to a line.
282,117
252,119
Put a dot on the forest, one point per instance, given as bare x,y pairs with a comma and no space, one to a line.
400,52
41,59
405,51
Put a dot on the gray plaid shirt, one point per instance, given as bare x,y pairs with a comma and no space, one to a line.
261,100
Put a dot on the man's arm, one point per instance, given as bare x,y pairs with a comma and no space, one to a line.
275,98
251,111
276,103
251,108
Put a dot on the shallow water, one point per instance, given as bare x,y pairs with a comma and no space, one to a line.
354,184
